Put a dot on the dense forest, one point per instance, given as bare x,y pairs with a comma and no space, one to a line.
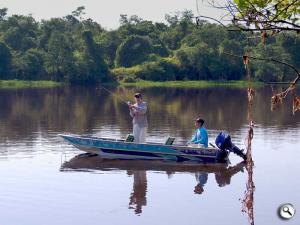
73,49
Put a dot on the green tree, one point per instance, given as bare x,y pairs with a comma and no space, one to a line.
3,13
59,61
172,19
78,50
134,50
161,70
267,71
47,27
95,54
28,66
291,44
180,26
196,61
109,42
33,61
20,32
5,61
79,12
231,69
264,15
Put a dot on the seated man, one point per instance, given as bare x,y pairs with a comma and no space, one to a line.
201,178
200,136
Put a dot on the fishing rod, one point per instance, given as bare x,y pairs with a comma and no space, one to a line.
114,94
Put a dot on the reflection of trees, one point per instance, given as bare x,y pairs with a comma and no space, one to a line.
281,116
173,109
25,112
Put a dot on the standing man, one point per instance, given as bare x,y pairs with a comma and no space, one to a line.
200,136
138,113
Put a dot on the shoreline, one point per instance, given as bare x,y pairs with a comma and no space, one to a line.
5,84
193,84
15,84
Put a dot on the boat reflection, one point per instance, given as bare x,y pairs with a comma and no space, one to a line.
138,169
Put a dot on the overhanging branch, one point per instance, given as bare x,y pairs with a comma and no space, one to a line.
271,60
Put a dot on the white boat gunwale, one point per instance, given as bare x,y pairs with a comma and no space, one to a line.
175,147
147,143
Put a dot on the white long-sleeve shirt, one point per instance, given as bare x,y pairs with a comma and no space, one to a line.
139,114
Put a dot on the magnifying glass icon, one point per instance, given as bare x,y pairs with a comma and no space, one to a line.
286,211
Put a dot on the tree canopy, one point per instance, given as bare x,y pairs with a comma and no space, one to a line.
76,49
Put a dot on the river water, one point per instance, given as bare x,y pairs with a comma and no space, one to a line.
45,181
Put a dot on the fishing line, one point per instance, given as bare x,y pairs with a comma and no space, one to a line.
114,94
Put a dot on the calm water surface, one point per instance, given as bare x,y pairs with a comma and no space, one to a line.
45,181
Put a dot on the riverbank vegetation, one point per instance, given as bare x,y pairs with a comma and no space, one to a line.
191,84
26,84
77,50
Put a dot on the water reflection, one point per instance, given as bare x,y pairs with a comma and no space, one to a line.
139,190
26,112
201,178
139,168
30,120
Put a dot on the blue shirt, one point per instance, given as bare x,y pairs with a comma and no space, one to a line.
200,137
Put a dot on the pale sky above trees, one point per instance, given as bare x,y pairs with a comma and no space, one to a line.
106,12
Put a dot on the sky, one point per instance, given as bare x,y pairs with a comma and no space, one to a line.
107,12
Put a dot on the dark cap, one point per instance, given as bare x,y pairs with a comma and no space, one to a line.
199,120
137,95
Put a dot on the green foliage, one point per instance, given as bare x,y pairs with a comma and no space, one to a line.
195,61
25,84
5,61
29,66
134,50
109,41
153,71
279,9
276,15
162,70
267,71
79,12
123,73
20,32
73,49
191,84
3,12
291,45
46,29
59,60
94,55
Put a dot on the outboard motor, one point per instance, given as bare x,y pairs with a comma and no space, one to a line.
223,141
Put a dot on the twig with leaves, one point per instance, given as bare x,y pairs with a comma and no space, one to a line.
260,15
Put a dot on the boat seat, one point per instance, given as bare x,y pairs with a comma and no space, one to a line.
170,141
129,138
